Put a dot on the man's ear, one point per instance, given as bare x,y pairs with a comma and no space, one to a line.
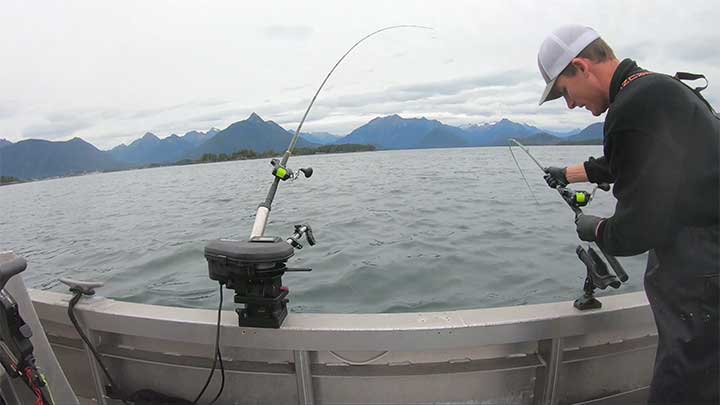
582,65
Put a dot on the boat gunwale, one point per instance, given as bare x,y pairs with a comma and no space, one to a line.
354,332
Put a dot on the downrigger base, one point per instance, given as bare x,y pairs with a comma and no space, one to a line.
253,269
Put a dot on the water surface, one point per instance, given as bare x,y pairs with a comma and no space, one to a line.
397,231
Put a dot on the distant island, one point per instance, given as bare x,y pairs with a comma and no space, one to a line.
253,138
248,154
9,180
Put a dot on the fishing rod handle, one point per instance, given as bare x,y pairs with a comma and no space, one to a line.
616,266
261,217
263,211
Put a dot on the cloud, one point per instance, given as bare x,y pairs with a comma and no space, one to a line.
696,50
55,128
295,88
465,100
691,50
461,100
126,114
464,86
454,86
640,50
287,32
8,109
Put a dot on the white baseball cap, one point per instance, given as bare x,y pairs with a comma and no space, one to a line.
558,50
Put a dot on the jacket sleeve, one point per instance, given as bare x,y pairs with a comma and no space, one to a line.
598,170
648,177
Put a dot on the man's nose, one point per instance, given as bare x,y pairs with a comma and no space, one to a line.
570,104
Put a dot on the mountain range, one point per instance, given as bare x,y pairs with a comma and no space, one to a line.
253,134
35,159
151,149
321,138
395,132
38,158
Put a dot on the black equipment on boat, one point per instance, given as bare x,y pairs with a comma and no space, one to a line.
598,274
16,349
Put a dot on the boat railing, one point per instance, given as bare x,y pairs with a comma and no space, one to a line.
531,354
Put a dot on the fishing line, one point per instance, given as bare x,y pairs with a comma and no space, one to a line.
520,170
302,121
526,150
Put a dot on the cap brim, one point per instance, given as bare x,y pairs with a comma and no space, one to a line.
549,93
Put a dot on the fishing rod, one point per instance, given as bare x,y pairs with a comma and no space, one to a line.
598,275
280,171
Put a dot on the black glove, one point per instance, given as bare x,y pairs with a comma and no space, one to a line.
555,176
586,226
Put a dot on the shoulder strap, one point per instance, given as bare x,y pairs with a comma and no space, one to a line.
692,76
680,76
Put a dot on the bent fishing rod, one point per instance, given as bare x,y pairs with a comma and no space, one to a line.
280,171
598,275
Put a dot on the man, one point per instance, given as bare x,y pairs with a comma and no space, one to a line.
661,147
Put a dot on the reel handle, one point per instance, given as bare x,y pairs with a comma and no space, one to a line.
301,230
308,171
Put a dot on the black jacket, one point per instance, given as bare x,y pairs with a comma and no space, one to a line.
661,152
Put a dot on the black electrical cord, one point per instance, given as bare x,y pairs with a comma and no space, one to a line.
71,314
217,357
217,350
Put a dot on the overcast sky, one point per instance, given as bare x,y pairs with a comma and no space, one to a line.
110,71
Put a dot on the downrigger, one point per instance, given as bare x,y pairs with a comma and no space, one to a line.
253,268
598,274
